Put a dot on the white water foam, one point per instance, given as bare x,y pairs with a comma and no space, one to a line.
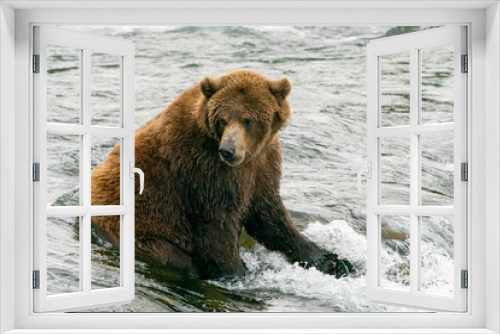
312,290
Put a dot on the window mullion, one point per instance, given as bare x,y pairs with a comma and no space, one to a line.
414,171
85,246
85,240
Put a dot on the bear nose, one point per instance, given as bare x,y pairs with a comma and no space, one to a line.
226,152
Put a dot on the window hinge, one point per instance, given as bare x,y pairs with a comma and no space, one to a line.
464,279
36,172
36,279
36,63
464,171
465,64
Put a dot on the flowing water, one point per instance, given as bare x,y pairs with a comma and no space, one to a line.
323,147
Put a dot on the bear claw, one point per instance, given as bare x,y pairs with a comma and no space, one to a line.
332,265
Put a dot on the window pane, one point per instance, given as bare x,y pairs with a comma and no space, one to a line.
437,84
437,169
63,84
395,89
395,171
106,89
63,170
63,255
105,255
437,255
105,178
395,267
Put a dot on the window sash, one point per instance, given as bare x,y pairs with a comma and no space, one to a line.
86,297
413,43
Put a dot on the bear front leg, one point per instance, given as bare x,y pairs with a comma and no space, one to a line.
216,252
271,225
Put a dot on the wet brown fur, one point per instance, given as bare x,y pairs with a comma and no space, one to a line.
195,205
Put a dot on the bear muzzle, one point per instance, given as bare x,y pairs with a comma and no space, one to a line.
231,149
226,152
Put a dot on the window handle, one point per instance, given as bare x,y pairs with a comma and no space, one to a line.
365,170
141,175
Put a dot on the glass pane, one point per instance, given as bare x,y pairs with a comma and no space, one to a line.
63,255
437,84
105,184
105,255
63,170
437,169
395,252
63,84
395,89
105,89
395,171
437,255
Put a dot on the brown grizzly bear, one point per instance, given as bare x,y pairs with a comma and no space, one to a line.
212,161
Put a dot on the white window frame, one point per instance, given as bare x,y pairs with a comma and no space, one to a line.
483,21
125,52
412,44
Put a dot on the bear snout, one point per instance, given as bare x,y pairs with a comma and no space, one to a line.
227,152
231,149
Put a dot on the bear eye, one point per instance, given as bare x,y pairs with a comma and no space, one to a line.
247,123
222,123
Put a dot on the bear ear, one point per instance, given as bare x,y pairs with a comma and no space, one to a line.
281,117
208,86
280,88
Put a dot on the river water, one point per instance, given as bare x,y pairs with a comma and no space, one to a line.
323,147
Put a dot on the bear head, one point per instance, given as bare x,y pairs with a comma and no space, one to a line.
243,110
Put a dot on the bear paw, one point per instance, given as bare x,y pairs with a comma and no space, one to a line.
331,264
